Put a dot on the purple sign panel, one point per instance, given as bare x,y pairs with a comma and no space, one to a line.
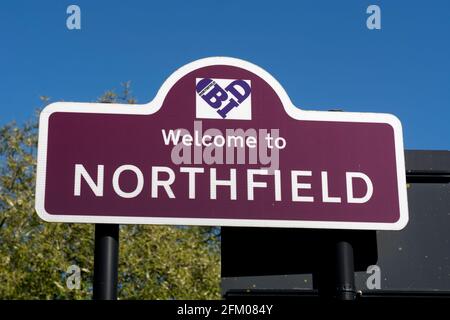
221,144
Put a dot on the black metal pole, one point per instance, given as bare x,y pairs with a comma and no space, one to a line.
345,271
106,257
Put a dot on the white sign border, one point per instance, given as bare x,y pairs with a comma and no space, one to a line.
153,107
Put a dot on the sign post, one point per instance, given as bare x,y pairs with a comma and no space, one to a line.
345,271
106,257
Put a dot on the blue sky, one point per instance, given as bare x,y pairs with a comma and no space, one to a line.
320,51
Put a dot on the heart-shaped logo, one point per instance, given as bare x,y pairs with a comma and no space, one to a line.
223,99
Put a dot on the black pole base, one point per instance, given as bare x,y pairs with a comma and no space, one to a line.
334,275
106,257
345,271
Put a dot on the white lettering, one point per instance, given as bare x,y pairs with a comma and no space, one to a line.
325,196
349,180
139,184
214,183
156,183
295,186
97,188
192,171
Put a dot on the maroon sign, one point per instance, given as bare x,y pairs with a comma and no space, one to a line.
221,144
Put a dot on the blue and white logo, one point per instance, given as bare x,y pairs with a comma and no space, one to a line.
223,99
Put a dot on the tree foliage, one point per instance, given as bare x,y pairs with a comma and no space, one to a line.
155,262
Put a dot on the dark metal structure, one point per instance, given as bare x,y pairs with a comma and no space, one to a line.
106,257
413,263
